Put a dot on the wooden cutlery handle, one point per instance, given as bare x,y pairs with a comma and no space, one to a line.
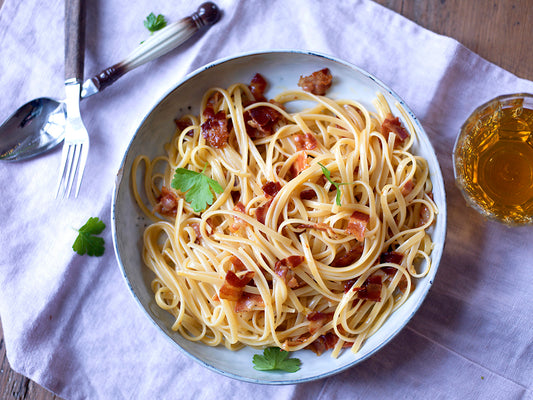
74,39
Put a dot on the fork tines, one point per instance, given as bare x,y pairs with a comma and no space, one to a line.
73,159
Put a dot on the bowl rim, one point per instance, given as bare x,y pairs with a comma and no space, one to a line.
437,175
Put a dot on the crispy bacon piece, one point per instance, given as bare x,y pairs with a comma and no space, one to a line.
238,222
235,281
233,286
283,268
288,277
348,284
402,285
215,129
305,141
318,226
261,121
425,215
391,257
394,125
301,161
371,289
196,227
317,83
408,187
235,195
323,343
357,225
182,124
167,203
238,265
292,261
317,320
349,257
307,194
261,211
249,302
214,100
286,345
240,207
257,86
299,165
271,189
389,270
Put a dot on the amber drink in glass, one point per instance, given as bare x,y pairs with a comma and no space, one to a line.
493,159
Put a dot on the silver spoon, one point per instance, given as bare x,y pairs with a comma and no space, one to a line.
39,125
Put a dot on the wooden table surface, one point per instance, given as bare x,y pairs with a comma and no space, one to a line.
498,30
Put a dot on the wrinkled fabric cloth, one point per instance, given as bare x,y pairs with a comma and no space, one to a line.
70,322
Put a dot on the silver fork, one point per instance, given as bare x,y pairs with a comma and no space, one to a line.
76,145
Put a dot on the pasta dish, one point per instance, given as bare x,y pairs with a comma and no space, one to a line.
300,229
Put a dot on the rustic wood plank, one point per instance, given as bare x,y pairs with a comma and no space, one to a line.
497,30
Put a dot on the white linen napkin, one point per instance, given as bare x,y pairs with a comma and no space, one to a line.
69,321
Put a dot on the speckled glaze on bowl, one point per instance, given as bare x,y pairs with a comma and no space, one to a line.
282,70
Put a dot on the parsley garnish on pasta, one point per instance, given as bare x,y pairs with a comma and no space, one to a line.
197,186
327,174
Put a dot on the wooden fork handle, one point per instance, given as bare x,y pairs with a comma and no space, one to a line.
74,39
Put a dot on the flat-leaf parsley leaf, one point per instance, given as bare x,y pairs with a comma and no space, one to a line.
198,188
274,358
154,23
327,174
87,242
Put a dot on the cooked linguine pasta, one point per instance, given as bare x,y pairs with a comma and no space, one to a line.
317,236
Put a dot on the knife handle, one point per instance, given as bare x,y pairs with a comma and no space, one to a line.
160,43
74,39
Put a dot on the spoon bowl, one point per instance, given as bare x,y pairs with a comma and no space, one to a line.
34,128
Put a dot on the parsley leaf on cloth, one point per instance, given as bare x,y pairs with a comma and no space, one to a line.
274,358
87,242
327,174
154,23
198,188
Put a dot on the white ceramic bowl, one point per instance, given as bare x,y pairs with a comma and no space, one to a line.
282,70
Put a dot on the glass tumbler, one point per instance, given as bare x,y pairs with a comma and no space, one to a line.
493,159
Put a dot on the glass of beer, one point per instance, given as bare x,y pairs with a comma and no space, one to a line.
493,159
